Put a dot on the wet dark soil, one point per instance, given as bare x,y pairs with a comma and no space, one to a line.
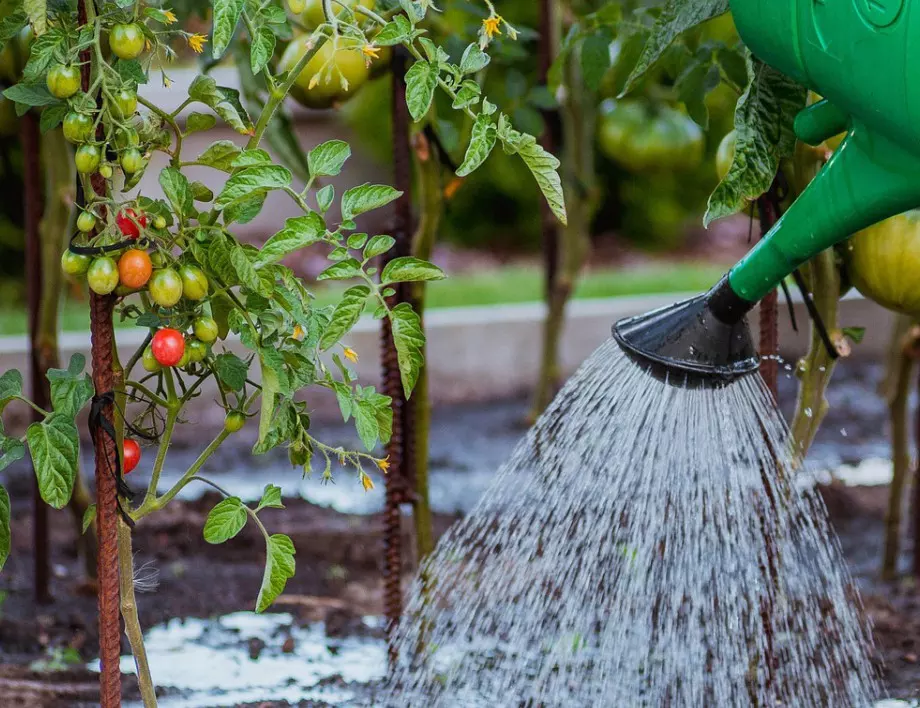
339,557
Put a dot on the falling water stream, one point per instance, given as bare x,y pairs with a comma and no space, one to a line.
645,545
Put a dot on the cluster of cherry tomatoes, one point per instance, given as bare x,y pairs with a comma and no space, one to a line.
127,41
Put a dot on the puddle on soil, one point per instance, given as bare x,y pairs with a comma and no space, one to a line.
207,663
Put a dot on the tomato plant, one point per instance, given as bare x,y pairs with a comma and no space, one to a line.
204,284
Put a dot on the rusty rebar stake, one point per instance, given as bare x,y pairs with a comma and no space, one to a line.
103,351
400,447
769,306
550,139
38,384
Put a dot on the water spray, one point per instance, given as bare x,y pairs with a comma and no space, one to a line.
862,57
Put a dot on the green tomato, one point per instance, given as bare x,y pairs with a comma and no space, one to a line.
87,159
132,161
329,66
206,329
725,155
234,422
127,138
165,287
63,81
158,259
127,41
124,104
197,350
313,15
74,263
86,222
296,6
159,222
149,361
102,275
78,127
106,171
186,358
194,282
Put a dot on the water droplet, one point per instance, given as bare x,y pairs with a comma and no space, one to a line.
843,432
808,413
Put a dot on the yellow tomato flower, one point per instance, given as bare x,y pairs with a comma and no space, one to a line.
492,25
169,17
167,82
384,464
196,42
298,333
351,355
366,481
370,51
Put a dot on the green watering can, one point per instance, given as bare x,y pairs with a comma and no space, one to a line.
863,56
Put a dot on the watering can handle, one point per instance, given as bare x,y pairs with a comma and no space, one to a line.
820,121
868,179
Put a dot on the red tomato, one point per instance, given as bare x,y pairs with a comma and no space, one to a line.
168,346
125,221
131,454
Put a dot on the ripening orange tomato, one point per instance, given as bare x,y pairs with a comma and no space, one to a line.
134,268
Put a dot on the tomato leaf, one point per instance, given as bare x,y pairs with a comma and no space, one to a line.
366,423
10,387
245,269
199,122
231,370
482,140
71,389
378,245
367,197
89,516
13,450
55,447
409,340
283,427
409,270
473,59
261,50
595,58
224,101
252,158
279,568
676,18
395,32
176,188
5,538
261,178
344,270
244,210
345,316
764,120
219,155
226,17
542,165
271,498
225,520
29,95
327,159
52,117
421,81
299,232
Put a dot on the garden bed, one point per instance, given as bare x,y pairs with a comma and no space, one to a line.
323,645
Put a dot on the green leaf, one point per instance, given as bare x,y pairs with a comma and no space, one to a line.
261,49
220,155
201,192
231,370
279,568
697,81
10,387
676,18
71,389
30,95
52,117
421,81
595,59
367,197
544,166
343,270
366,423
89,516
199,122
407,269
297,233
473,59
327,159
245,269
270,388
226,16
242,184
283,427
346,315
131,71
325,197
244,210
225,521
55,447
5,537
271,498
395,32
225,102
176,188
37,11
13,450
467,95
378,245
482,140
252,158
764,120
409,340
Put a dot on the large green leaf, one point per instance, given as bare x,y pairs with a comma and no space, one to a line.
220,155
4,526
225,102
176,188
421,81
544,166
271,498
367,197
279,568
482,140
10,387
346,315
408,269
55,447
409,340
225,520
676,18
244,183
37,10
71,388
327,159
297,233
226,17
764,132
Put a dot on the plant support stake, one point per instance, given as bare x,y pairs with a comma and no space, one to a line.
769,306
